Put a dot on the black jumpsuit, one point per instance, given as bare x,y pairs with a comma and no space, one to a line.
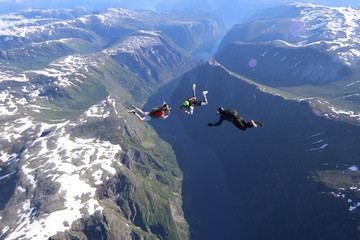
233,116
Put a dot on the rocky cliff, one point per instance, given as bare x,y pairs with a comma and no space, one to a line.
295,178
74,163
304,43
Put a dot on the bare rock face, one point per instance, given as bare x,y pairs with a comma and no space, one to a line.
294,45
300,167
74,164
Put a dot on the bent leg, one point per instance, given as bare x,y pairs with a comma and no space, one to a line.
205,102
239,125
139,117
139,110
242,124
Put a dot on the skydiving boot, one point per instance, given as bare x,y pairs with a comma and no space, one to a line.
132,111
253,123
204,94
259,123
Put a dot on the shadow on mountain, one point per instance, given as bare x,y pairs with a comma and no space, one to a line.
272,182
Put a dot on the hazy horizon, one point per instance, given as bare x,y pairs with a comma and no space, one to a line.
231,11
153,4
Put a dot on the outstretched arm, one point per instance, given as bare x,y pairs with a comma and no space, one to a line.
190,111
181,109
218,123
166,116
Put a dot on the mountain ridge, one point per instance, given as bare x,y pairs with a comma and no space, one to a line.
307,45
65,123
74,162
290,178
308,25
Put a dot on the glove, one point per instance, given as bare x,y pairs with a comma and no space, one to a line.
210,124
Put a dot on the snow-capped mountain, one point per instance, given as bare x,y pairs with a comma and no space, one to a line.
37,26
73,161
37,39
337,28
309,49
144,51
32,38
75,164
34,26
55,178
295,178
58,175
332,30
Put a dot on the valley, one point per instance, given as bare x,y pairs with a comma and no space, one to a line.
74,164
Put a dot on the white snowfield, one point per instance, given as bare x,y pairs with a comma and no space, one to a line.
66,70
77,165
133,43
114,15
74,164
332,112
338,28
71,165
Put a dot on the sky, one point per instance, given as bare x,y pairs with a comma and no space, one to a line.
231,11
151,4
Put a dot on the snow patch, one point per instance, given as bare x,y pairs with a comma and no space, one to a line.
354,168
319,148
65,70
133,44
337,27
351,114
7,175
352,208
71,162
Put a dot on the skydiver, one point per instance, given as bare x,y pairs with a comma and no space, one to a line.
191,103
156,112
233,117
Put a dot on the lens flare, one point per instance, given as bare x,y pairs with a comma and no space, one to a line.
253,62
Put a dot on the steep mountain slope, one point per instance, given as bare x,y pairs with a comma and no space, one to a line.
74,164
77,177
82,175
296,178
151,55
234,11
294,66
30,34
304,49
316,44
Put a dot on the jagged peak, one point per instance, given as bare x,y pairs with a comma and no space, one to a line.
312,5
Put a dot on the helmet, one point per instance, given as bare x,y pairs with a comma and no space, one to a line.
186,104
165,106
220,110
